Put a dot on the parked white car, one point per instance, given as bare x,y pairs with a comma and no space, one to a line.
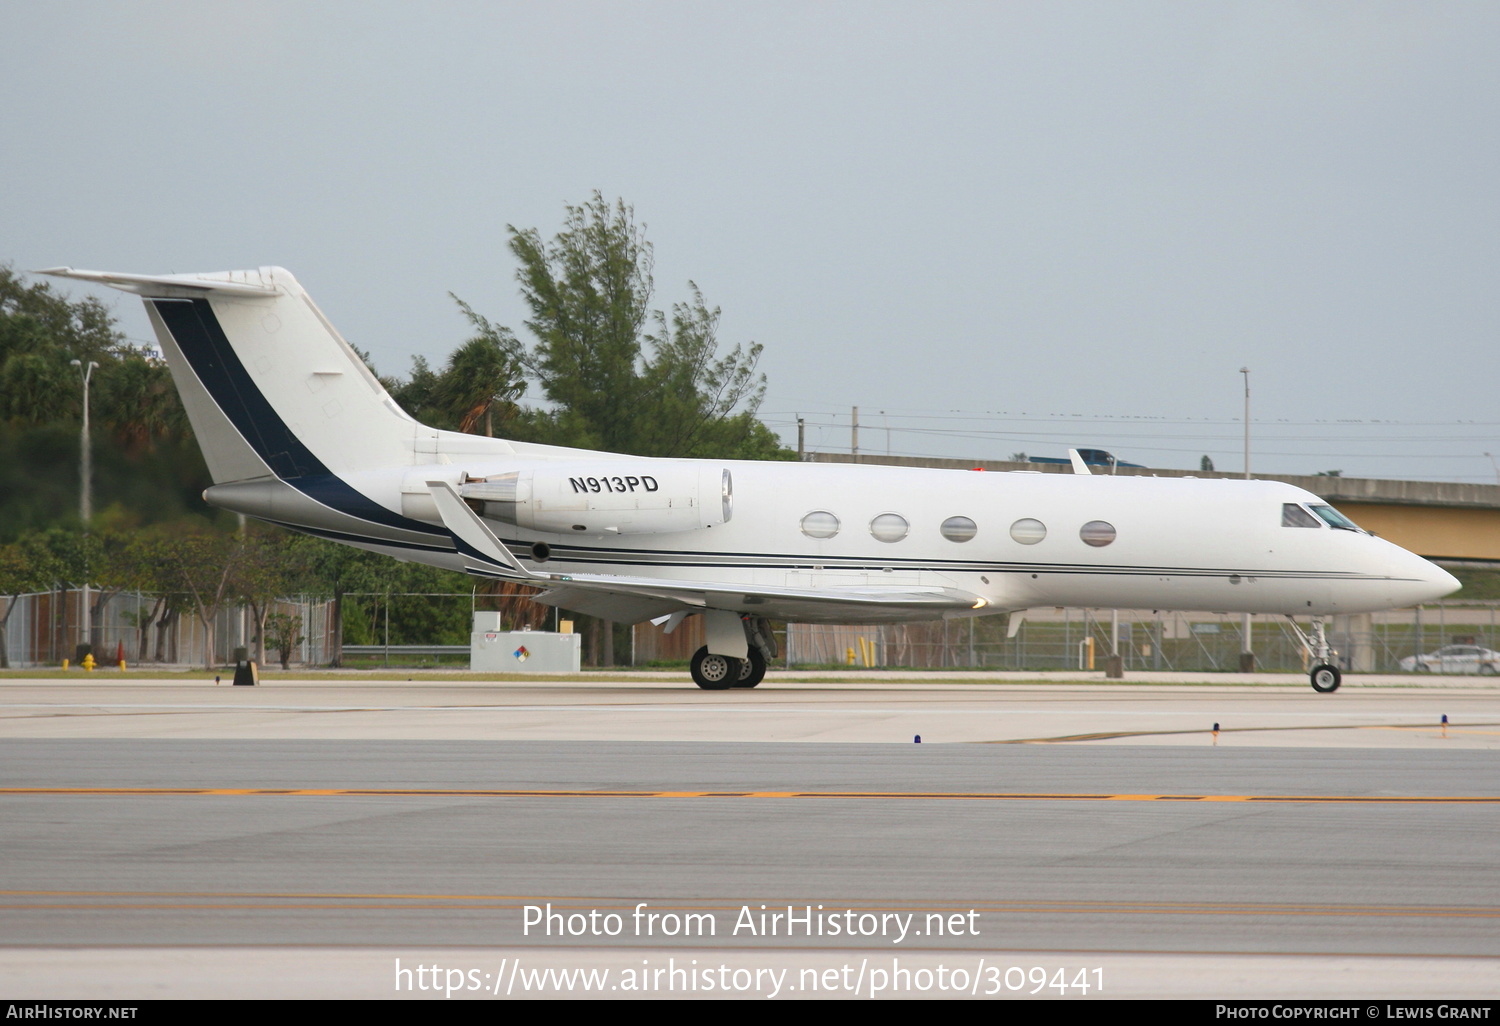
1454,659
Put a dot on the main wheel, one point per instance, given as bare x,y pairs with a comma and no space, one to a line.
714,672
752,669
1326,678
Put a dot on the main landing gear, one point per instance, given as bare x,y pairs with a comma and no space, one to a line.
719,672
714,672
1325,676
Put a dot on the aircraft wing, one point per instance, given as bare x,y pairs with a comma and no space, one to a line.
633,599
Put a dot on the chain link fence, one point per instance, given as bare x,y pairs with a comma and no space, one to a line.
44,628
1070,639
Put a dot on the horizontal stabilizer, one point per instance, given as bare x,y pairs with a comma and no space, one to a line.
188,285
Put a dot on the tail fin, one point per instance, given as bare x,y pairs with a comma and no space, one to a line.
270,387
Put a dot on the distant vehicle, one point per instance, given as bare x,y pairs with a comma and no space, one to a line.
1092,458
1454,659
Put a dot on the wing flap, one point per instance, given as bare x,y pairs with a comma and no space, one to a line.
855,604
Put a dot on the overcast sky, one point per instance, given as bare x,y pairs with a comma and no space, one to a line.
1009,226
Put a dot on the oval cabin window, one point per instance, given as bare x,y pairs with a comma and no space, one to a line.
889,527
1097,533
820,524
959,529
1028,531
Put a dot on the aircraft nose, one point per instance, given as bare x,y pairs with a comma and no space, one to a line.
1419,580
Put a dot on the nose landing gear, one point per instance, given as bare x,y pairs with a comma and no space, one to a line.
1325,676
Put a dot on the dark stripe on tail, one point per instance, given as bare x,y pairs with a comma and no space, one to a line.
198,334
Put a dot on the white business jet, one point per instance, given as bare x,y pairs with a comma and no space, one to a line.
297,431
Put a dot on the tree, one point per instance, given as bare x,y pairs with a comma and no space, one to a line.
283,632
333,569
144,456
270,568
26,565
481,377
621,376
204,564
1206,465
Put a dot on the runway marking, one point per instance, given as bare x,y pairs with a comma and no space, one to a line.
1111,735
390,792
214,900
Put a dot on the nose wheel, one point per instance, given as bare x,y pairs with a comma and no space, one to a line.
1325,676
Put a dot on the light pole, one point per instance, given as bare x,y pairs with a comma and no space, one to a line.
1247,653
85,493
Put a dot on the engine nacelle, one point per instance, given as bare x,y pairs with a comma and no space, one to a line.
613,497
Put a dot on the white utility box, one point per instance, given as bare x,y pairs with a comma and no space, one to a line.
495,651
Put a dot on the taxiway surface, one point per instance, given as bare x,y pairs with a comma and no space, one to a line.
168,839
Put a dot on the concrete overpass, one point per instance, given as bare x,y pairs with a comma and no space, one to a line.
1439,520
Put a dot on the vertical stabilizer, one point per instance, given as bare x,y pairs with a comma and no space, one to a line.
269,385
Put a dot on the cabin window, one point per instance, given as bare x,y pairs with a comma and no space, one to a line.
1097,533
959,529
1333,518
1293,515
889,527
1028,531
820,524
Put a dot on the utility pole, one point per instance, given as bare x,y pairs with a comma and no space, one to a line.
1246,371
1247,651
85,495
854,435
801,439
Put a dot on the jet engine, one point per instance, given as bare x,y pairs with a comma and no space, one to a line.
614,497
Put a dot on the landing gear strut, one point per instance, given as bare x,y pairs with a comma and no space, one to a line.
1324,675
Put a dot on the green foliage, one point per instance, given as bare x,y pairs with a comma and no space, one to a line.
333,571
474,391
144,456
283,634
620,376
27,564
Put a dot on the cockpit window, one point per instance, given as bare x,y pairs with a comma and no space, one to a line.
1333,518
1293,515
